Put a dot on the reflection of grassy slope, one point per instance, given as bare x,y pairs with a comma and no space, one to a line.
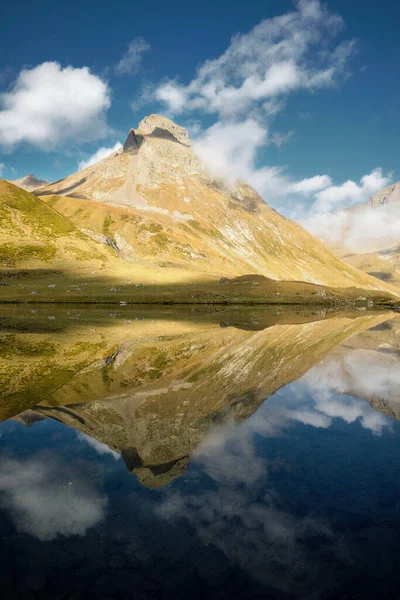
165,383
43,347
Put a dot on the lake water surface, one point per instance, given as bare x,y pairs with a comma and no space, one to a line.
177,453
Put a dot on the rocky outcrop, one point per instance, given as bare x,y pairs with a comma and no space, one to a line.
390,195
133,141
158,126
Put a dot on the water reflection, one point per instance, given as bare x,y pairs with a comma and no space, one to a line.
233,496
46,499
150,389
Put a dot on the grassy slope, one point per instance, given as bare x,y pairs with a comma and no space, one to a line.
34,235
44,257
59,287
217,241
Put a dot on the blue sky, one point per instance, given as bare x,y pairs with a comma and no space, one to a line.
336,117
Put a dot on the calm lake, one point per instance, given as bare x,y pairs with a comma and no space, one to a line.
193,453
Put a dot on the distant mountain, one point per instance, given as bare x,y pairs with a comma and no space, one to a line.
158,205
29,183
367,236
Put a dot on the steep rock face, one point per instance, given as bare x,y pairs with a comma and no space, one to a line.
29,183
160,202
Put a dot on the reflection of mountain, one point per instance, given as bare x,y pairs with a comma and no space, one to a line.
150,389
367,366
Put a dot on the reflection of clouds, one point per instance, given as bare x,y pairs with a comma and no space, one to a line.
231,466
350,410
46,501
319,397
364,373
98,446
315,406
241,516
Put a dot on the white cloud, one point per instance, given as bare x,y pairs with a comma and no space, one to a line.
46,500
2,165
311,185
246,87
360,229
368,230
229,148
130,62
350,192
230,151
278,56
98,446
49,105
99,155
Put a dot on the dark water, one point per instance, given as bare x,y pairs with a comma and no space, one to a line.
172,457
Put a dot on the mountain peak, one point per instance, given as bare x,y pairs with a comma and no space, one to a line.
29,182
159,127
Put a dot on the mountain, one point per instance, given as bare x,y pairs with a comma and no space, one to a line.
156,203
29,183
151,388
367,236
